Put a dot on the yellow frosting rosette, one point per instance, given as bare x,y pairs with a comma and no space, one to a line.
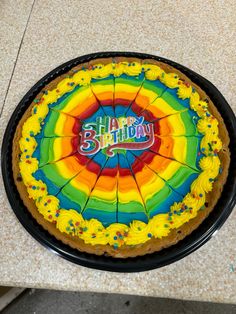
116,234
69,221
48,206
184,91
133,68
160,225
101,71
82,78
152,72
139,232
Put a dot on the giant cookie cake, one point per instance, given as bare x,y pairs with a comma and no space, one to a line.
121,156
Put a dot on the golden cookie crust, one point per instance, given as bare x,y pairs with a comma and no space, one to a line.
153,244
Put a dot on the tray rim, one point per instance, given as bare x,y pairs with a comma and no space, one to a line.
139,263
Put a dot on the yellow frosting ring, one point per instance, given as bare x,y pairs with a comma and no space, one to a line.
92,231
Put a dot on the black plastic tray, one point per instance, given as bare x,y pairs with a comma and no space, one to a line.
189,244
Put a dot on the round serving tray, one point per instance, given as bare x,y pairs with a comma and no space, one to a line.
166,256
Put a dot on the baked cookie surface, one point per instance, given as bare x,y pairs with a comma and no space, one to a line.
121,156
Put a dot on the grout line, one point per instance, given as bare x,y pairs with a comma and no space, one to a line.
17,56
9,297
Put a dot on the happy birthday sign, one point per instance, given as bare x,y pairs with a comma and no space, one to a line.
115,133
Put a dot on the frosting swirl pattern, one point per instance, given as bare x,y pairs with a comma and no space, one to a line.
137,193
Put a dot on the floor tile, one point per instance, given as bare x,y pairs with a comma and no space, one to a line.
60,302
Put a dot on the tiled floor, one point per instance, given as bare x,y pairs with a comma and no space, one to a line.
38,35
60,302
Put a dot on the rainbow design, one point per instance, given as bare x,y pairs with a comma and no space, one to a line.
118,145
134,183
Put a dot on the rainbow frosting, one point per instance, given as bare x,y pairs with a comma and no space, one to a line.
119,153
